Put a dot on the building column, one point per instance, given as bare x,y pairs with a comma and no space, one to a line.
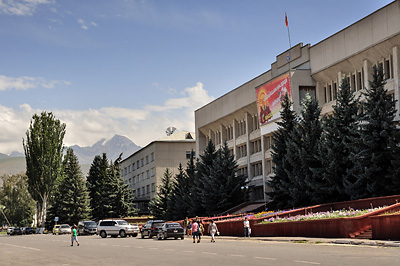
396,77
367,73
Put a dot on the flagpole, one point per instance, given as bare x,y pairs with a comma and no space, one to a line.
288,57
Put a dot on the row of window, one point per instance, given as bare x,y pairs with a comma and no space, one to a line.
356,80
241,151
136,165
241,129
142,176
143,191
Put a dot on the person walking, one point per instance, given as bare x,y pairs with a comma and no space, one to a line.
195,232
212,229
74,236
246,225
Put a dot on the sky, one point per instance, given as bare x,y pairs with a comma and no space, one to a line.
136,67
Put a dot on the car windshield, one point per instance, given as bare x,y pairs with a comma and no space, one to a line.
173,225
157,224
64,226
122,222
90,224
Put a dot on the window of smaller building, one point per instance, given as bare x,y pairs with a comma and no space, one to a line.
189,154
148,189
147,159
153,187
152,156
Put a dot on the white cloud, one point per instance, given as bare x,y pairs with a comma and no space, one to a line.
22,7
85,127
84,25
26,83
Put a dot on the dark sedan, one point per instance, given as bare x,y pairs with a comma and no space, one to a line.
168,230
29,230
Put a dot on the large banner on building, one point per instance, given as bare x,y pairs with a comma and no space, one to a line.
269,97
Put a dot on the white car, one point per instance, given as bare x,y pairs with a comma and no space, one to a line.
10,230
64,229
115,228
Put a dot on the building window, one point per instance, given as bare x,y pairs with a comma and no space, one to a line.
353,82
138,192
142,162
256,146
152,156
242,151
148,189
147,174
268,167
137,164
147,159
387,69
329,93
257,169
153,187
306,89
242,171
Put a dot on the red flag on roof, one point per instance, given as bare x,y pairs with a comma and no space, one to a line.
286,21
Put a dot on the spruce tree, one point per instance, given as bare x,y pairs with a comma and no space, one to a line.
72,200
222,188
280,182
159,205
179,196
95,183
371,175
204,168
335,149
302,148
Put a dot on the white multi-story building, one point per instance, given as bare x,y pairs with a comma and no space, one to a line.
143,170
316,69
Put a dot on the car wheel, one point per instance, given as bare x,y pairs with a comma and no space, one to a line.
182,237
122,233
134,235
141,235
159,236
103,234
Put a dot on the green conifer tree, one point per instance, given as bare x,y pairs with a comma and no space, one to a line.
204,167
302,148
280,182
180,189
159,205
95,183
375,148
335,149
72,200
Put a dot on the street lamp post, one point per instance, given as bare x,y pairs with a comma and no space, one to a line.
2,208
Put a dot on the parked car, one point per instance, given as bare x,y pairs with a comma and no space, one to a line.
115,228
168,230
151,228
87,228
16,231
64,229
10,230
29,230
56,229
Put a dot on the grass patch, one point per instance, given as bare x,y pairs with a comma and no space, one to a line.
300,241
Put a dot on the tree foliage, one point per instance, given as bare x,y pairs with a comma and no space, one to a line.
159,205
110,197
280,182
71,201
336,146
43,151
374,149
16,200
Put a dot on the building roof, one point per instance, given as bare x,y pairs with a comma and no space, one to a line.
179,136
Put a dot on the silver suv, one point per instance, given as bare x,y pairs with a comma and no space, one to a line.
115,228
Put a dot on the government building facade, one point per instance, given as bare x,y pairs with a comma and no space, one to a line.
246,116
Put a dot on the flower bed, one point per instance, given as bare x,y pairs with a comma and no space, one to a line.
320,215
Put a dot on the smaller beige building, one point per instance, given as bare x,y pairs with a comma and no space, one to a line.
143,170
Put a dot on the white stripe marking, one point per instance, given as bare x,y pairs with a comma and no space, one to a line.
307,262
264,258
236,255
211,253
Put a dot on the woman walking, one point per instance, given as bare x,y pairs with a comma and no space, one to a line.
212,229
